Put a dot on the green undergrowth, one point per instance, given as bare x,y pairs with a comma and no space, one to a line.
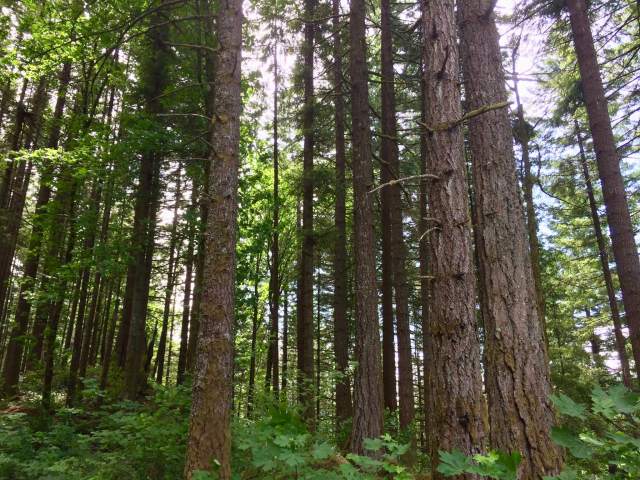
121,440
601,438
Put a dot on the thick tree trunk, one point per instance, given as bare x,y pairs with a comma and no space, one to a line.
517,372
305,317
455,383
344,408
625,251
604,263
212,387
368,392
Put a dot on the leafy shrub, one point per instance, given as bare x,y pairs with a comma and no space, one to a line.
279,446
134,441
603,440
496,465
122,441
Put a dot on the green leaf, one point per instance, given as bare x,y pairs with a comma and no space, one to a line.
566,406
603,403
566,475
373,444
366,463
624,400
566,438
292,459
283,440
322,451
453,463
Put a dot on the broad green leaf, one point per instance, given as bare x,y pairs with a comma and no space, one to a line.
566,406
566,438
373,444
322,451
453,463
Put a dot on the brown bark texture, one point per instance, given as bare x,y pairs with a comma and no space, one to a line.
212,387
625,251
368,395
517,373
344,407
455,384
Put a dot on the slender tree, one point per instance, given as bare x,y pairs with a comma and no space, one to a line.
604,262
625,251
390,162
154,71
344,407
273,366
368,394
305,301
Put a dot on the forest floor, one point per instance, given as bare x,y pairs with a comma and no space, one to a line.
104,438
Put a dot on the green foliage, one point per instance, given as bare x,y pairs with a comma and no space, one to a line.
279,446
602,439
124,440
129,441
498,465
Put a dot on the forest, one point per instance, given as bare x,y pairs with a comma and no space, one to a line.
319,239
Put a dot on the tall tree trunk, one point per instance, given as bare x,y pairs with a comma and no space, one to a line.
423,252
517,373
154,76
56,257
108,349
604,263
613,191
522,134
255,324
390,161
368,394
92,320
12,206
305,317
170,346
318,352
212,388
186,303
455,383
273,368
194,323
82,333
171,279
344,408
285,343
